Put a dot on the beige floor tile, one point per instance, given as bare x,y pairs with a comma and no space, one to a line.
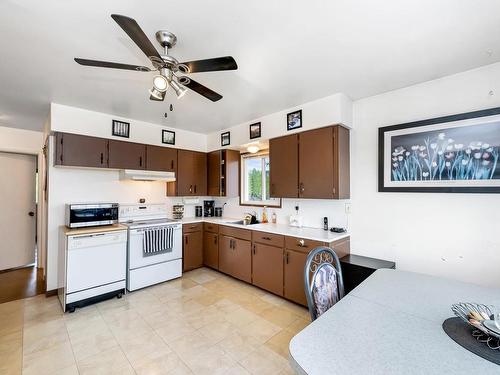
202,278
280,342
208,299
226,306
263,361
279,316
138,347
238,345
218,331
11,322
71,370
49,360
160,363
298,325
44,335
240,317
159,317
12,307
296,309
191,345
91,341
260,329
181,283
273,299
81,320
11,353
111,361
173,330
206,316
211,361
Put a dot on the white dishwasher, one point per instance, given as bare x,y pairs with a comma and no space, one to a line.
95,266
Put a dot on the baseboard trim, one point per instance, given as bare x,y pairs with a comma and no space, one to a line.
51,293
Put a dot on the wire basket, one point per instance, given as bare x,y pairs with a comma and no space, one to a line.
470,313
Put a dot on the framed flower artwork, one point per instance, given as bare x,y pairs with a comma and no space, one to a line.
451,154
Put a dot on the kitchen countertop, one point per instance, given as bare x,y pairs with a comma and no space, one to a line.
91,230
391,324
316,234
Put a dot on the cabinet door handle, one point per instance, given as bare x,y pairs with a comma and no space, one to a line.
215,239
195,189
140,161
186,239
102,157
254,249
190,188
172,164
302,243
266,238
286,257
301,188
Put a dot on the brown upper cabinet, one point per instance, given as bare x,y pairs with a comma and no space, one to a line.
161,158
284,170
81,151
311,164
126,155
191,177
223,173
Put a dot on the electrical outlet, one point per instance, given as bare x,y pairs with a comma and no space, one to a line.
347,208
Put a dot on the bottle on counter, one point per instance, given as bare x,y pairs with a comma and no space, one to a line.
264,215
273,218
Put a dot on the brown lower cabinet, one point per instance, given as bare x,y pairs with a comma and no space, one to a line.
192,239
211,250
235,257
267,267
295,262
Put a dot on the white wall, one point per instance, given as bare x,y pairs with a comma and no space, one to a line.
81,121
450,235
333,109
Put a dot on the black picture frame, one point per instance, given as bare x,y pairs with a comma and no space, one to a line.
255,130
383,152
291,120
168,137
120,129
225,139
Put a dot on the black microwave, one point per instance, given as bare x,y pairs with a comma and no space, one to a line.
91,214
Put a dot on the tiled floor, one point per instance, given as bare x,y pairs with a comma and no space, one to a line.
203,323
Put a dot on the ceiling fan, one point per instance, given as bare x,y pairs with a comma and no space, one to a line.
167,66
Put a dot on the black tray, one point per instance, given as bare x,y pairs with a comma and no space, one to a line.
461,333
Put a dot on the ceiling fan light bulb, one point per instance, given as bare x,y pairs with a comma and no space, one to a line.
158,95
160,83
180,91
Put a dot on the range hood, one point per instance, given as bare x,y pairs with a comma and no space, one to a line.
140,175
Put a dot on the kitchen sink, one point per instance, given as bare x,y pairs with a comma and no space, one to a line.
242,222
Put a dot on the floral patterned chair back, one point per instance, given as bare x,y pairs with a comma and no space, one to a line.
324,285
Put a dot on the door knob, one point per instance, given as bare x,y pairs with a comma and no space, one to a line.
31,213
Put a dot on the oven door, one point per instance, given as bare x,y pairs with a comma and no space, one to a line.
91,215
136,258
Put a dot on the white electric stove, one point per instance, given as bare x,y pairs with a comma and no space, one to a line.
146,267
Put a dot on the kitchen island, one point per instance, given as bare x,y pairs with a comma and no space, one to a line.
391,324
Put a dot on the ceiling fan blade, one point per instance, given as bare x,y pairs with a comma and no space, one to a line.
200,89
134,31
209,65
106,64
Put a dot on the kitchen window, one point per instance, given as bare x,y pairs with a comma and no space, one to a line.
255,181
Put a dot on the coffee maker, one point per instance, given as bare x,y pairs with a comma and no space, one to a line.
208,208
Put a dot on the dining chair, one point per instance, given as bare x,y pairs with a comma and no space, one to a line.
323,281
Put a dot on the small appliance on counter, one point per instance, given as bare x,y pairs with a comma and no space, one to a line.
80,215
198,211
178,211
208,208
218,211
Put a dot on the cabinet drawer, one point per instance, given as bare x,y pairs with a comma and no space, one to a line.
268,238
301,244
194,227
209,227
244,234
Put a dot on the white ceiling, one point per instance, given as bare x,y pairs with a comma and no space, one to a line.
289,52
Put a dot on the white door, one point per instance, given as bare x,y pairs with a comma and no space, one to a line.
18,210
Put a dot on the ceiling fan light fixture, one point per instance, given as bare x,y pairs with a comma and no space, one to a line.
156,94
160,83
179,90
